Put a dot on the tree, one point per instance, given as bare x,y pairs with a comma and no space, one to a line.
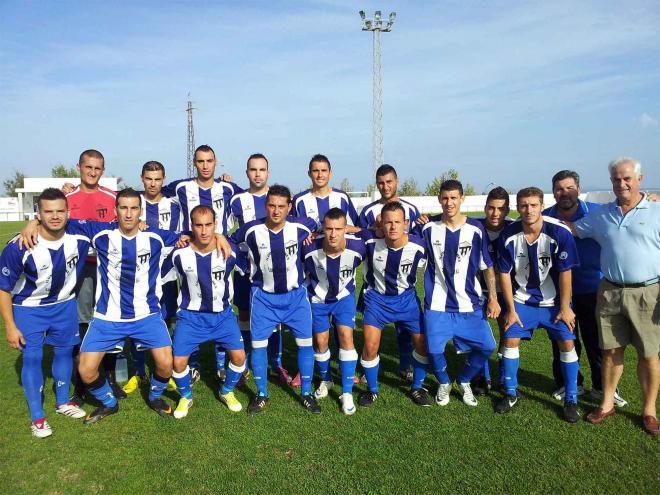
345,185
409,188
370,189
61,170
14,182
433,187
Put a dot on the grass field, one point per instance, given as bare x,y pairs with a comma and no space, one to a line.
393,447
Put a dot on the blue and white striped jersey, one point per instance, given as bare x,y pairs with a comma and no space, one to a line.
128,273
45,274
246,207
331,278
455,260
391,271
493,236
306,204
189,194
275,257
369,213
536,266
164,215
205,279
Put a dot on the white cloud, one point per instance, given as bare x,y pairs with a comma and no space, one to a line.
646,120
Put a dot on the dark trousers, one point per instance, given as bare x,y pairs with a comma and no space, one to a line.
584,306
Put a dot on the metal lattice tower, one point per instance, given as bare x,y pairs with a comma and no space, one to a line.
191,140
377,25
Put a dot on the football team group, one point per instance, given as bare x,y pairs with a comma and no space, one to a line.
100,268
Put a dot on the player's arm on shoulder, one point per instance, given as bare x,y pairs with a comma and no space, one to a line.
68,187
27,237
169,190
88,228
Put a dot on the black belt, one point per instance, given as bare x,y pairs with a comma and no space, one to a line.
637,285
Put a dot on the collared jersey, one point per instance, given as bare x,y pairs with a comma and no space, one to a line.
536,266
45,274
164,214
629,245
205,279
275,257
306,204
586,277
391,271
455,260
370,212
188,194
129,269
332,277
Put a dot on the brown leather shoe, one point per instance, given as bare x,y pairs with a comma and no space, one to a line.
651,425
598,416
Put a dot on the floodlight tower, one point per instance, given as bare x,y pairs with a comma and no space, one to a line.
377,25
191,139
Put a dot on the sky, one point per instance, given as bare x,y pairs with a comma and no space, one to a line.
505,92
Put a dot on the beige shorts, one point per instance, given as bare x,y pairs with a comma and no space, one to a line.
629,316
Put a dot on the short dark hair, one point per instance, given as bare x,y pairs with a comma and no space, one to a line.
128,192
335,214
452,185
565,174
528,192
153,166
385,169
318,158
279,190
498,193
393,206
201,209
204,147
91,154
50,194
254,156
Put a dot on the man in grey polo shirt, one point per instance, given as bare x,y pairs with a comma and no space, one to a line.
628,309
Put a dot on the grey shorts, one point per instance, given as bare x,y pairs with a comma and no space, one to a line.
629,316
86,293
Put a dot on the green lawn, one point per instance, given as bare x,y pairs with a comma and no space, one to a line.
394,447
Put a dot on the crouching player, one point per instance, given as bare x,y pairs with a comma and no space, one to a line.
205,311
330,263
39,283
536,255
390,297
457,250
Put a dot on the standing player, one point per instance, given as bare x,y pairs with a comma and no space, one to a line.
205,309
91,201
457,252
278,294
390,297
330,263
158,212
387,183
39,283
496,210
245,207
537,254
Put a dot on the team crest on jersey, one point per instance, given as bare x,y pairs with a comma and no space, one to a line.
346,272
464,249
218,203
102,211
165,216
143,256
71,263
406,265
5,271
218,272
544,259
563,255
291,249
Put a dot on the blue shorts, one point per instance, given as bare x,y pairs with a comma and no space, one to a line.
292,309
168,301
242,287
403,310
534,317
194,328
469,331
54,324
341,313
108,336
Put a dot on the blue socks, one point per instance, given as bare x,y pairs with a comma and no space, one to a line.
510,363
275,349
62,369
323,364
420,366
486,370
220,356
568,362
260,366
371,372
439,364
234,373
473,365
305,364
182,381
347,364
100,389
32,380
158,386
